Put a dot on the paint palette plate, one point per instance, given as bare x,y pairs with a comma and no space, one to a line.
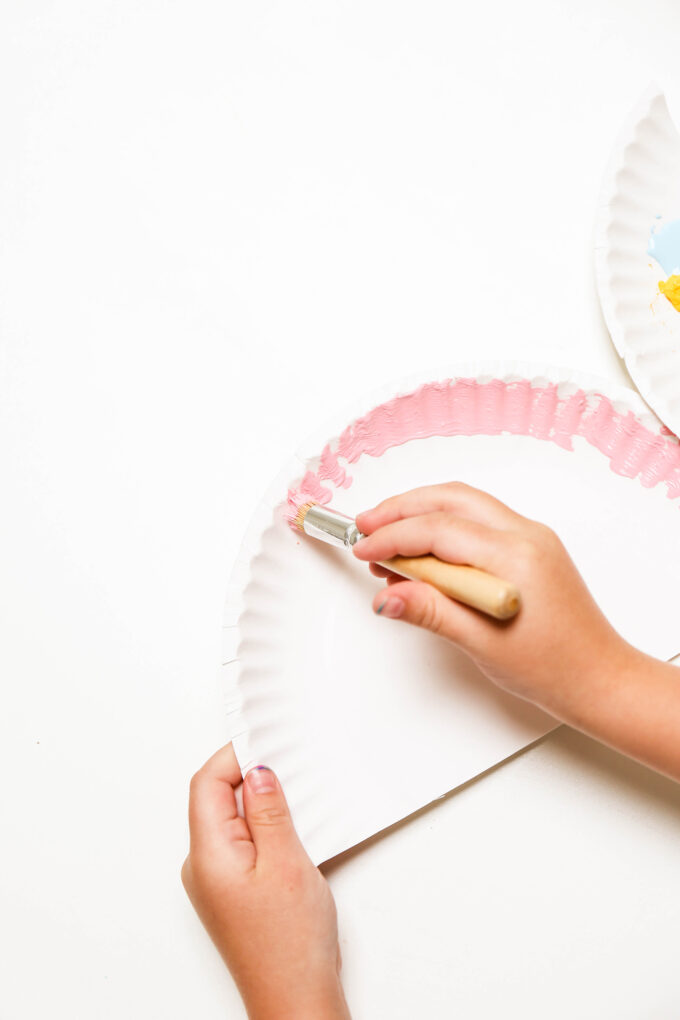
641,193
365,719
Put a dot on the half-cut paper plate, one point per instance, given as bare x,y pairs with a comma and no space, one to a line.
365,719
640,202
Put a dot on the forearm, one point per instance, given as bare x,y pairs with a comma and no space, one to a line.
632,704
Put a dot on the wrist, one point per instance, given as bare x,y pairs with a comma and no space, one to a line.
598,684
586,685
323,1001
631,702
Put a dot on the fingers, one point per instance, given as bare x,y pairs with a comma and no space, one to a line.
454,497
222,842
421,604
268,816
379,571
213,816
450,538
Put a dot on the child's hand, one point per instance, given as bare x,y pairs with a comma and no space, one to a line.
552,652
266,907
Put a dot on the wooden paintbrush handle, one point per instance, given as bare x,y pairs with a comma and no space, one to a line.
466,584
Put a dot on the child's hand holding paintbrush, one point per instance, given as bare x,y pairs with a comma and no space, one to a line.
559,652
265,905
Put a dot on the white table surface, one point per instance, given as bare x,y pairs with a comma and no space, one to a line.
194,197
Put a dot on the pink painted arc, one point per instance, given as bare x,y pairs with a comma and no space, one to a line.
465,407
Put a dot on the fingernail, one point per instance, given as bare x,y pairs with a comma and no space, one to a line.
261,779
392,607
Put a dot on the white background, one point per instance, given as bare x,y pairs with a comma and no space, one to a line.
218,222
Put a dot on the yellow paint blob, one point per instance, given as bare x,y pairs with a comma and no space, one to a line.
670,288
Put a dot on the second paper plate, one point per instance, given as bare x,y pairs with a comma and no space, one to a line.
640,199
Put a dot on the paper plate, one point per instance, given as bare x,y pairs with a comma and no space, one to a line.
364,719
641,191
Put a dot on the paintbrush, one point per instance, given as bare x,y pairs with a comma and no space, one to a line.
466,584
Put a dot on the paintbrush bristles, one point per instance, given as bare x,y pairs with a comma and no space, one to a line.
301,514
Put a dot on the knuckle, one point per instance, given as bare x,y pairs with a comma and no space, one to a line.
550,537
528,549
195,784
431,616
462,494
543,537
270,815
444,518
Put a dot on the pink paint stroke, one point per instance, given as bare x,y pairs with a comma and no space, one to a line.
465,407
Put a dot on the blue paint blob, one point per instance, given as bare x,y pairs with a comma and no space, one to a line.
664,246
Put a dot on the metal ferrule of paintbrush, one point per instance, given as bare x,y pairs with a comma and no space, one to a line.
327,525
467,584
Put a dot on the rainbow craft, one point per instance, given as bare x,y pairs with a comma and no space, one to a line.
325,693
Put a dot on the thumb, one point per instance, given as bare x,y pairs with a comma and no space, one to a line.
424,605
267,814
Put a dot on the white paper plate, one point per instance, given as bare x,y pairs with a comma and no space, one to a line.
365,720
642,183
